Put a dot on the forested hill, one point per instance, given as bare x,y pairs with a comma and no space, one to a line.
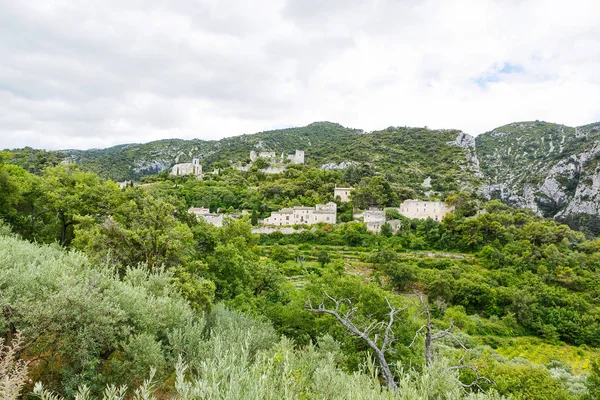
406,155
550,168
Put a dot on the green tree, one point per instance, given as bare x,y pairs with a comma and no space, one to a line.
260,163
323,258
71,192
143,230
386,230
401,274
280,254
374,192
593,381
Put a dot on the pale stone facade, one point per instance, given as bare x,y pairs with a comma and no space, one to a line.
374,219
206,215
193,168
267,155
342,193
124,184
270,156
435,210
297,157
325,213
395,224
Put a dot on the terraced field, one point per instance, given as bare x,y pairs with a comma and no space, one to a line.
356,260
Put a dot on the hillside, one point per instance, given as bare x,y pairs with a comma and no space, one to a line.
407,156
141,285
550,168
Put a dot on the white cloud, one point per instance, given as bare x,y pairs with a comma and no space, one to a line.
81,75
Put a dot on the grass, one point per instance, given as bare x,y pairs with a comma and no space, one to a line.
539,352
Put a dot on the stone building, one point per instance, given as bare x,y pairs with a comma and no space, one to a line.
435,210
193,168
206,215
343,193
124,184
267,155
297,157
395,224
374,219
299,215
271,157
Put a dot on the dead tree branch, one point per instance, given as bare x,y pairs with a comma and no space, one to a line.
430,338
346,318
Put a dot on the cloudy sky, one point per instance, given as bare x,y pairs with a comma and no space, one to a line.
83,74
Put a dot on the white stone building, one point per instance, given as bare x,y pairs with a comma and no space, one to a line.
343,193
193,168
206,215
270,156
435,210
297,157
374,219
395,224
299,215
267,155
124,184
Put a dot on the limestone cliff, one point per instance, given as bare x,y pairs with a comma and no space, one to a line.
552,169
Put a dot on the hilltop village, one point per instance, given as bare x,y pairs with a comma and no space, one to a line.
302,216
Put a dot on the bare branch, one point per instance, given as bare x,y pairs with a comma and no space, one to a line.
416,335
476,381
443,333
364,333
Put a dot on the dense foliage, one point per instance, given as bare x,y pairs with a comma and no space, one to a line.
106,285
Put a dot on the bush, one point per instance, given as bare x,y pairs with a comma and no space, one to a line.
280,254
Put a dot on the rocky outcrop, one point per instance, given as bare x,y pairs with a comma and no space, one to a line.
552,169
468,143
342,165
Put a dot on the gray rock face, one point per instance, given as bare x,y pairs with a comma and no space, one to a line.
552,169
342,165
467,142
464,140
152,166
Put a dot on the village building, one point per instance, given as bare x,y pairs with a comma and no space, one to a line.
395,224
271,157
374,219
297,157
205,214
418,209
124,184
267,155
343,193
325,213
193,168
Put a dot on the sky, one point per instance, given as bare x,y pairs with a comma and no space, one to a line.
92,74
